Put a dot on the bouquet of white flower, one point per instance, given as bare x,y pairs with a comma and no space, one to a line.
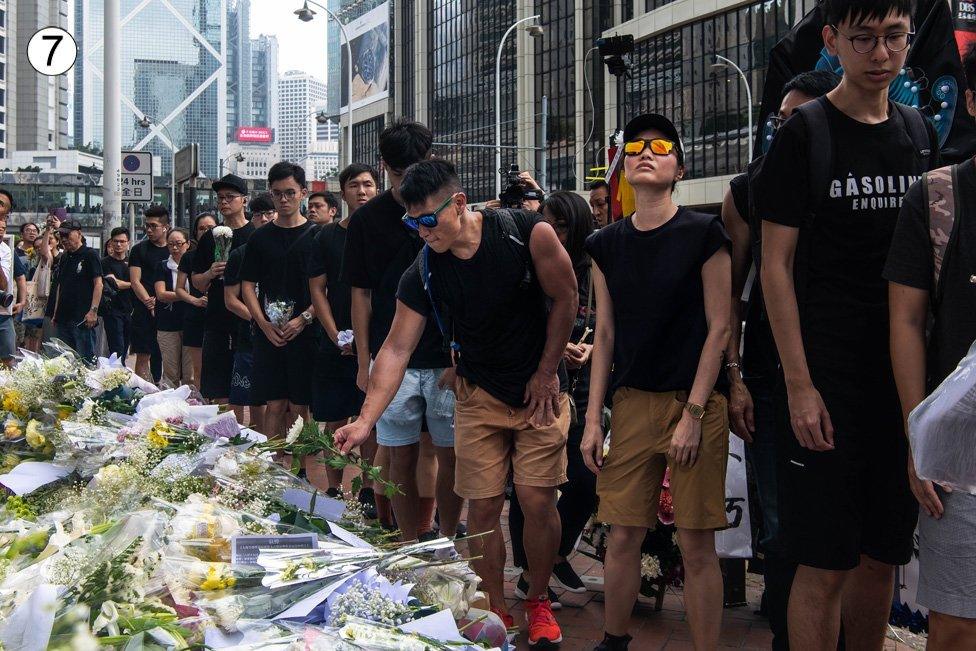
223,240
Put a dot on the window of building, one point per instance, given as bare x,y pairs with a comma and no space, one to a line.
673,76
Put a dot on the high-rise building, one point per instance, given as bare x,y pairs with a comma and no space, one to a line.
40,121
178,41
8,79
264,81
239,80
298,95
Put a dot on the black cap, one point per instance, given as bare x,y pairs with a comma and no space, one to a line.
69,225
230,182
534,193
658,122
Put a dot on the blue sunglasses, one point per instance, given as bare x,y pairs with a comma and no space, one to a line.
428,220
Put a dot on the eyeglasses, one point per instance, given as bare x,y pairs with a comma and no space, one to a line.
865,43
118,242
176,245
263,213
776,121
153,226
287,194
428,220
227,198
659,146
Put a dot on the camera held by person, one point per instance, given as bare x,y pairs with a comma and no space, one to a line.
522,190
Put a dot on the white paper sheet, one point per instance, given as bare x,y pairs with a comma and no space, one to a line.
348,537
325,507
28,476
29,626
439,626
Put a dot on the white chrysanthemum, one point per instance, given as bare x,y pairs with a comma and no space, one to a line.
650,567
223,231
295,431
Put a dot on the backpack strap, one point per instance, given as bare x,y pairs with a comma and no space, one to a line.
424,269
940,189
821,158
917,131
518,241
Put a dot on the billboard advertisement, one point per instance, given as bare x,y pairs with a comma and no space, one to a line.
369,37
964,17
262,135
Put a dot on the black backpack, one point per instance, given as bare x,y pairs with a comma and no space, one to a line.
519,243
814,116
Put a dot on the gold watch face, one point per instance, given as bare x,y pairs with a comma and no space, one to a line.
697,411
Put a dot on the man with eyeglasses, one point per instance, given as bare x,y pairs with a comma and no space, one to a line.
117,317
143,261
847,514
208,276
751,377
276,294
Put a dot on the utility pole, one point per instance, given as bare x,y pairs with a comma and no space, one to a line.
112,125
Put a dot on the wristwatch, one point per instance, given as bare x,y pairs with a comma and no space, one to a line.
94,309
697,411
307,316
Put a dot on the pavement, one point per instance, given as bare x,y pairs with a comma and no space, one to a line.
581,617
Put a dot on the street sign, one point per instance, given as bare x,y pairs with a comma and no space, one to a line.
186,163
137,176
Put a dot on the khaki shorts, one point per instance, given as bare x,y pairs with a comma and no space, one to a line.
629,484
490,437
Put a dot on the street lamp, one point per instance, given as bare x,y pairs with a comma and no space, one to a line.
722,62
305,15
536,31
239,157
147,122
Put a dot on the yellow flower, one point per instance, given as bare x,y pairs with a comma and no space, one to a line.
12,431
13,401
64,411
36,440
157,440
214,580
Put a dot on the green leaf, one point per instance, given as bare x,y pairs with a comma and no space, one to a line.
390,490
357,484
337,462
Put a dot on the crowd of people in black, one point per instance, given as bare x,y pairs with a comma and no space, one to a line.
467,350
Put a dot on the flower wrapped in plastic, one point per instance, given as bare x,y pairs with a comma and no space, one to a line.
279,311
223,240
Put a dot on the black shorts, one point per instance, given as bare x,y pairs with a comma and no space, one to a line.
836,505
142,334
240,384
193,331
335,396
283,373
218,365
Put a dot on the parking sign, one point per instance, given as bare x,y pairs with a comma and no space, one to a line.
137,177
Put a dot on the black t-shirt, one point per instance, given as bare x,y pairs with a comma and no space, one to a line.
232,276
147,257
326,259
77,283
498,321
842,297
192,315
218,317
910,263
169,316
274,260
655,282
122,301
379,248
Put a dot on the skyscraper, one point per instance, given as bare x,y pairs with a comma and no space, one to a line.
8,81
299,93
264,81
239,82
41,119
180,41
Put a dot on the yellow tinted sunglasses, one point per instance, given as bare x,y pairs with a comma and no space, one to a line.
658,146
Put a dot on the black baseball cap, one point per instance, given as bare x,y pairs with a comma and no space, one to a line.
656,121
70,225
230,182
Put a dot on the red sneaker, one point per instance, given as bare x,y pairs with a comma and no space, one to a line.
543,629
511,630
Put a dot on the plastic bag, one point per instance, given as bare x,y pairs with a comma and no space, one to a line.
942,430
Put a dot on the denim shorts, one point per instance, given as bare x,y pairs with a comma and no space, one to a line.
417,397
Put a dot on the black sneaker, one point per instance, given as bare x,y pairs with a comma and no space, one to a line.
368,499
567,577
614,643
427,536
522,589
461,531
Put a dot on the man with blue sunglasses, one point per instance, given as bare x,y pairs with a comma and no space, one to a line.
486,279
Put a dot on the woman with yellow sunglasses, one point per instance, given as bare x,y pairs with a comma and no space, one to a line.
662,278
